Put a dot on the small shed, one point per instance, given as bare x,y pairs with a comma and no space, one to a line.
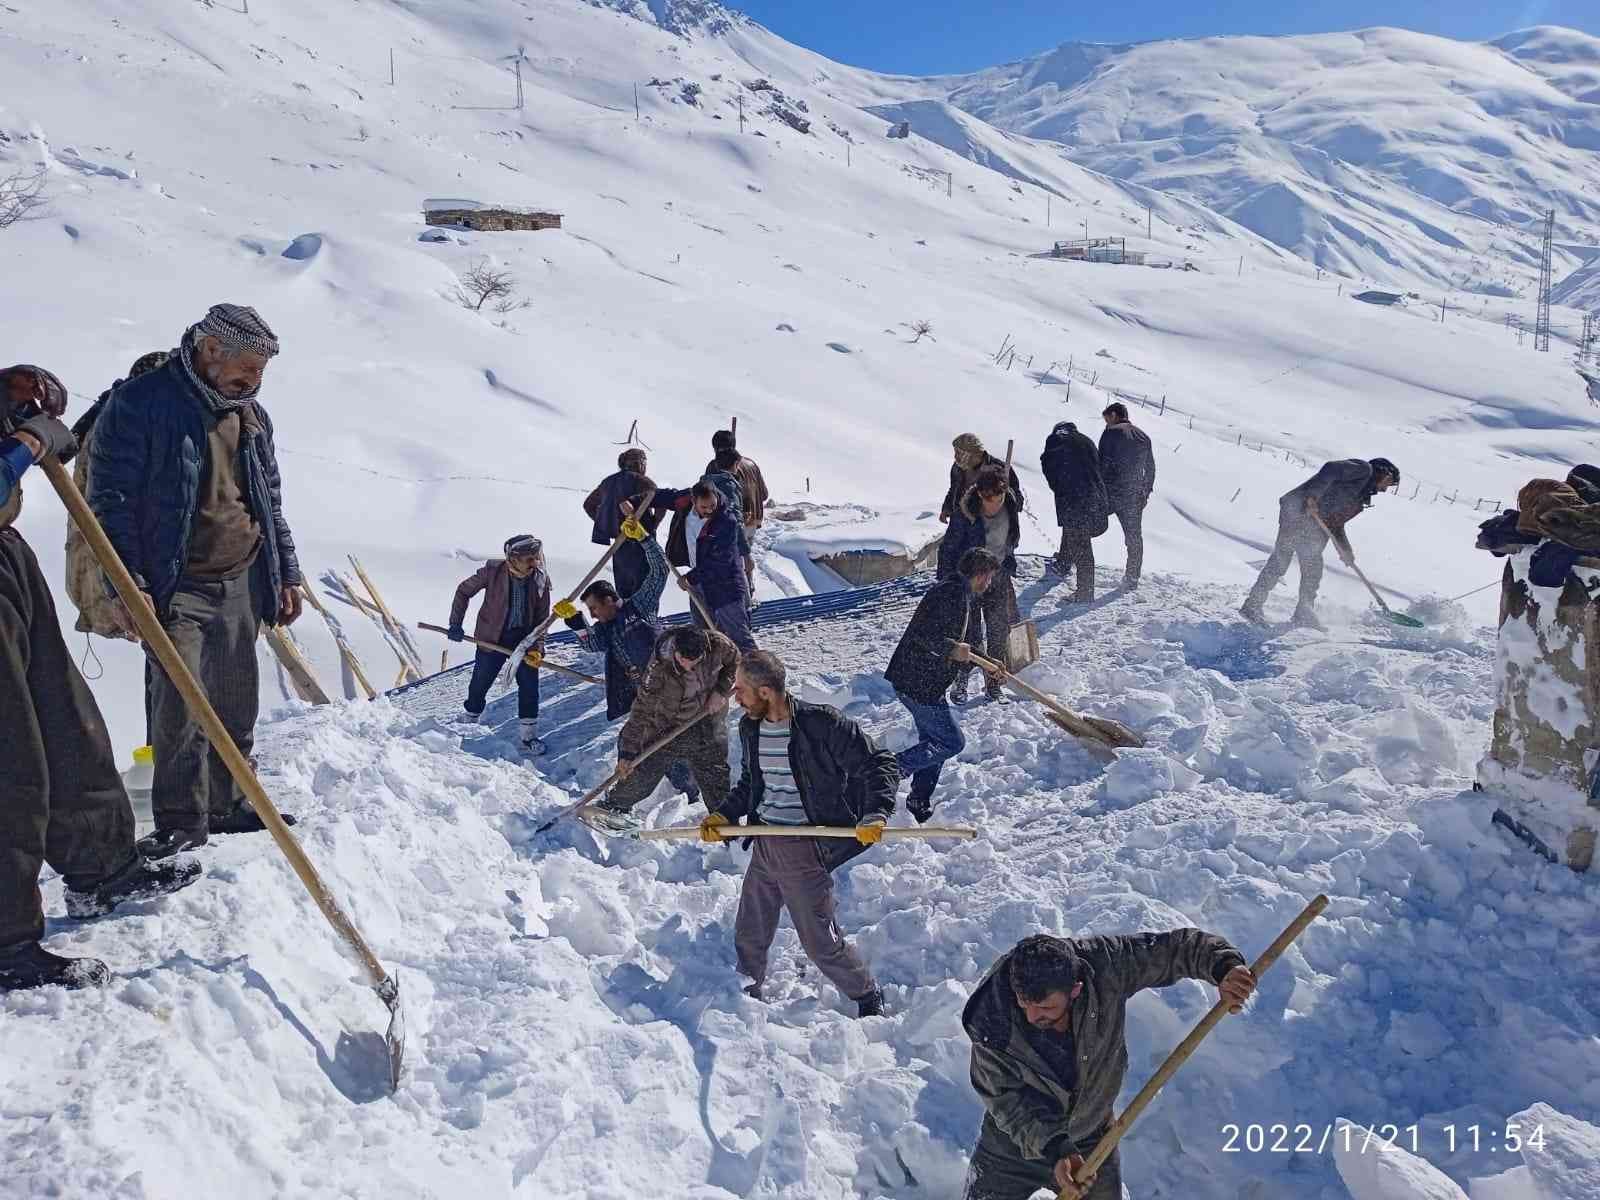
469,214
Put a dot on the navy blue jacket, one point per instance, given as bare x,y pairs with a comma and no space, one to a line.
629,639
146,462
719,551
969,528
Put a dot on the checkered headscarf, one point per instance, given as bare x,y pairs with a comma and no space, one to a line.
233,325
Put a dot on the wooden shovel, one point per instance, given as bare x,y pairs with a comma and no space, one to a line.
155,637
1119,1128
1101,730
1397,618
734,832
546,665
605,785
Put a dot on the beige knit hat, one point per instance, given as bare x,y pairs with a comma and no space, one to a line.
968,443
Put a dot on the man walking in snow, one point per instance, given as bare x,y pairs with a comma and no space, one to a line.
970,458
925,663
184,478
63,801
1049,1050
516,601
691,673
753,493
991,520
1128,467
804,764
629,484
706,536
1324,504
1071,466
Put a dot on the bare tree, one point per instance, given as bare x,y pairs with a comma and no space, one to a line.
922,329
484,283
21,193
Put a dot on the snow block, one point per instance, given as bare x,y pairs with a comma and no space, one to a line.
1567,1165
1140,775
1389,1173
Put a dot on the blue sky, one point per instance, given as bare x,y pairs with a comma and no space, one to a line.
936,36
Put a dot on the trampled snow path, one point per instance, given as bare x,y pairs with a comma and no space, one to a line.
576,1022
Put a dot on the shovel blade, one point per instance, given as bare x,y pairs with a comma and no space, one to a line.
1405,621
395,1039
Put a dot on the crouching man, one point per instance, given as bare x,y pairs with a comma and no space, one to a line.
1049,1050
61,800
804,764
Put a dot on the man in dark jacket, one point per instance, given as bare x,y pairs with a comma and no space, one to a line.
1049,1050
516,601
62,801
1071,465
629,484
970,458
184,479
1324,504
753,494
691,674
709,540
804,764
992,521
1128,466
926,662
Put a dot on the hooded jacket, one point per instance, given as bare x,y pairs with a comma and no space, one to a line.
841,773
719,551
973,530
493,579
1071,466
1127,464
146,464
669,695
1023,1098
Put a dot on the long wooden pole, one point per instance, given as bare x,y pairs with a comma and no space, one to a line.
546,665
345,650
155,637
366,608
294,663
1119,1128
734,832
600,788
389,617
694,597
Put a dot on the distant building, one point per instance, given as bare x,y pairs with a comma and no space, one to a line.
1100,250
1384,298
469,214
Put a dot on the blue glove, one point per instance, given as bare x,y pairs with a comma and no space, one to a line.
457,634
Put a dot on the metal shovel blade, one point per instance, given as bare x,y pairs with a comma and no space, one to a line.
1403,619
395,1039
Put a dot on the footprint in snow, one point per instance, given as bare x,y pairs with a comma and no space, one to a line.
840,347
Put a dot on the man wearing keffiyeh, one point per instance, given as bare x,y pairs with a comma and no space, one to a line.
184,478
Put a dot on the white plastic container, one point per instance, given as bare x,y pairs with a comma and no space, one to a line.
139,780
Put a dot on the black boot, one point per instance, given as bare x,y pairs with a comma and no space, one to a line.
164,843
870,1005
30,965
243,820
753,990
920,807
141,879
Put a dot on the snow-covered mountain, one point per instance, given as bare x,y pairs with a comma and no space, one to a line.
576,1023
1380,153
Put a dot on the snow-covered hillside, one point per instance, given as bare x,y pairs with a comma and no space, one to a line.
576,1026
1382,153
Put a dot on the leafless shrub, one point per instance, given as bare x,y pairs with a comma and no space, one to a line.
485,284
21,193
923,329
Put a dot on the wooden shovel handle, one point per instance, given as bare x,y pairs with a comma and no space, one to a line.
735,832
498,649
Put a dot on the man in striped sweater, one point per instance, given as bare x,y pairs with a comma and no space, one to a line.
804,764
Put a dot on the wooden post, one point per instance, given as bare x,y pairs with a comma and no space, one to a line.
388,617
733,427
296,667
391,66
636,102
345,650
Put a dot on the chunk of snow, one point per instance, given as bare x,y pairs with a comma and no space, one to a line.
1376,1170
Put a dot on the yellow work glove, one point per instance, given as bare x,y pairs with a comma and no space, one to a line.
869,830
566,610
633,530
712,826
533,658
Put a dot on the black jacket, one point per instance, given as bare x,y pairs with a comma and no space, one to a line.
1127,464
961,480
840,772
921,667
146,463
604,505
1021,1094
1071,466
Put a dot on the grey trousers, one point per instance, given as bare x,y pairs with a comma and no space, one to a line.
1299,536
992,613
1077,552
731,620
214,627
61,801
787,872
1131,518
702,748
999,1172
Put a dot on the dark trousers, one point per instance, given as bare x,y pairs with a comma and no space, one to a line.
1131,517
702,748
999,1172
214,625
629,568
787,873
1077,552
993,613
940,740
61,801
1299,536
486,669
731,619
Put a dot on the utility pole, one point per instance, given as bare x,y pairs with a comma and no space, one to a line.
519,82
1149,223
1086,237
391,66
636,102
741,112
1047,210
1241,267
1541,327
847,154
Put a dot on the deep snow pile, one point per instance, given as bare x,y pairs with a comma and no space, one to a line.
1313,143
577,1026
